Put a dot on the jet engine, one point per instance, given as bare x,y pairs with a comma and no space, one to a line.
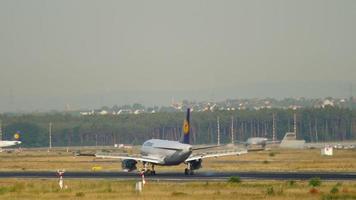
129,164
195,164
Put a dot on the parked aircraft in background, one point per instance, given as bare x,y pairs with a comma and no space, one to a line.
263,141
169,153
8,143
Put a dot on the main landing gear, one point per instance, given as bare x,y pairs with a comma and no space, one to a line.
189,170
191,166
147,171
153,172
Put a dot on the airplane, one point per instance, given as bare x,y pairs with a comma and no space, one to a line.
8,143
263,141
169,153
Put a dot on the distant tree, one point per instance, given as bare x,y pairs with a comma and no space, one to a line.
105,108
126,107
314,124
115,108
137,106
31,134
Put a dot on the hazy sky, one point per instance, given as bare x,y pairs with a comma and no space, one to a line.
92,53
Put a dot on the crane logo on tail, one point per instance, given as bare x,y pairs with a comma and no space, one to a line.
17,135
185,127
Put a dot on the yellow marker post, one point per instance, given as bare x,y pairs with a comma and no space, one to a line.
96,168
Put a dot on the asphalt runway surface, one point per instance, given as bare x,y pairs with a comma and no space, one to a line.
176,176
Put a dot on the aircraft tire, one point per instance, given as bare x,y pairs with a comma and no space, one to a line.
186,171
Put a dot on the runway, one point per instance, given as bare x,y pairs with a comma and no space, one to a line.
176,176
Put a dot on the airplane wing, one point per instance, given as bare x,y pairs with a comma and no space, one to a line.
205,147
124,157
240,142
214,154
273,142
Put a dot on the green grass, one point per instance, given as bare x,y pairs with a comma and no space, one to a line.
315,182
111,189
234,179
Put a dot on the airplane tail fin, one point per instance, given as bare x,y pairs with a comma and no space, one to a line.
186,128
17,135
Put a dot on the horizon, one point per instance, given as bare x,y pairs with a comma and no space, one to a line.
173,101
164,98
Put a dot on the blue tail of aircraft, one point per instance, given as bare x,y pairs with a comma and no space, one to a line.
186,128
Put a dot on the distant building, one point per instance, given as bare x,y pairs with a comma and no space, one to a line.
139,111
103,112
177,105
327,151
87,113
327,102
124,111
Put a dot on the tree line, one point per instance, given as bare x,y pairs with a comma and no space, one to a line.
313,125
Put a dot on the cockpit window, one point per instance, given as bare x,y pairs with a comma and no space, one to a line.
149,144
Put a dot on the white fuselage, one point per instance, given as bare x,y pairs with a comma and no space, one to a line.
170,152
256,141
4,143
